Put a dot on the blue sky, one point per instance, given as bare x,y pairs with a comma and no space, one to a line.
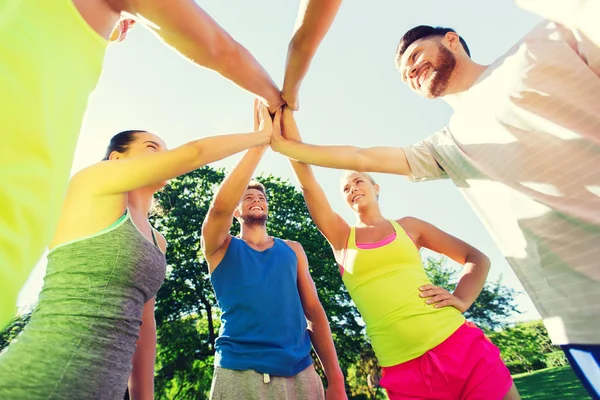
351,95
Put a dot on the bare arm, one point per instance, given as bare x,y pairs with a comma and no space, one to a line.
318,325
391,160
331,225
216,226
141,380
314,20
475,270
186,27
123,175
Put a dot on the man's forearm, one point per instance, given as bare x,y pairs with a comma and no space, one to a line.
235,183
320,336
340,157
313,22
183,25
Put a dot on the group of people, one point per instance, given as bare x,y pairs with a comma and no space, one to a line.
523,146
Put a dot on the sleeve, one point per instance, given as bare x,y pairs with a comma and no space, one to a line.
579,16
422,162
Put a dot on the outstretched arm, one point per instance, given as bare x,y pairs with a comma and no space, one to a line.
391,160
186,27
123,175
318,326
314,20
475,270
331,225
216,226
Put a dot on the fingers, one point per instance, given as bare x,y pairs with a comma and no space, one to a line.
439,298
431,290
256,115
277,122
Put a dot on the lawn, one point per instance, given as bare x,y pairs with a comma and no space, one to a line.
550,384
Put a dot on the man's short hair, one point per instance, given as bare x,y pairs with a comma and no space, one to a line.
258,186
424,31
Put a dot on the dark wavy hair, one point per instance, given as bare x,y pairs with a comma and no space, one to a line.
120,142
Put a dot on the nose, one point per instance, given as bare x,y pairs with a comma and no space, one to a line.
412,72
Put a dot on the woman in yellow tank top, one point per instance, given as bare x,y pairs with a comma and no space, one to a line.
417,330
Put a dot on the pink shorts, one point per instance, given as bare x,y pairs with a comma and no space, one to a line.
466,366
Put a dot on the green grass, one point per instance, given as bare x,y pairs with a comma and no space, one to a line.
550,384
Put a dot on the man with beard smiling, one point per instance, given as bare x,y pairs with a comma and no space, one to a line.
271,313
523,147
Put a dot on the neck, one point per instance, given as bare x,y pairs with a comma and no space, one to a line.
370,217
139,201
464,76
256,234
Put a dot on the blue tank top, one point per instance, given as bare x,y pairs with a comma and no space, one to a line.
263,327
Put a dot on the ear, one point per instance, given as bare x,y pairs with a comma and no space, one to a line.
376,189
236,212
115,155
452,41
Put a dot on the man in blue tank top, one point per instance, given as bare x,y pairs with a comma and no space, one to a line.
271,314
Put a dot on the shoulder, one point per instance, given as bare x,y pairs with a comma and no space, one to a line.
295,247
412,226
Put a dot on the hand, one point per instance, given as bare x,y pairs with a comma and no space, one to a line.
336,392
441,298
276,104
263,123
290,96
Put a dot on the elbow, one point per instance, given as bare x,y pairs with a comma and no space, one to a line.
482,261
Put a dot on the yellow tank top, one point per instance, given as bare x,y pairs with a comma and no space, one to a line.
384,284
50,62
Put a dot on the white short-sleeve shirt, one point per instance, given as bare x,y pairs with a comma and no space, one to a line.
523,147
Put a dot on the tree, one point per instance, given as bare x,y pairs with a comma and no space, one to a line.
186,310
494,305
13,329
526,347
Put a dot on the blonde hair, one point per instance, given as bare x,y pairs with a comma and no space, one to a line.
368,176
258,186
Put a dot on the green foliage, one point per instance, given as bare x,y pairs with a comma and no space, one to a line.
551,384
186,308
13,329
494,305
526,347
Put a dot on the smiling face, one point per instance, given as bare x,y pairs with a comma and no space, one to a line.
254,208
427,67
359,190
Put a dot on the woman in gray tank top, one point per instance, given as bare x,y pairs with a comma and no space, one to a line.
93,329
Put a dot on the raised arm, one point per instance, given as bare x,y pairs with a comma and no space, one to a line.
476,265
124,175
318,326
391,160
331,225
314,20
186,27
216,226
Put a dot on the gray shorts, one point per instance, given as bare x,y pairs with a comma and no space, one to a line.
228,384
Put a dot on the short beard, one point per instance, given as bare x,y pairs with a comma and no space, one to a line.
445,64
254,220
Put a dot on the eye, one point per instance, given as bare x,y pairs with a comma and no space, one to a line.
152,147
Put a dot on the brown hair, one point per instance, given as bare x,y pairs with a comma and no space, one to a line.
258,186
